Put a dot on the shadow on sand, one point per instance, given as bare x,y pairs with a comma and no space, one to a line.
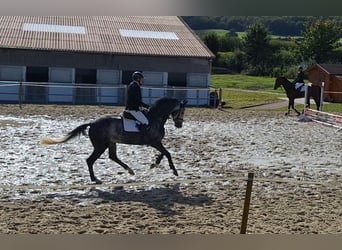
162,199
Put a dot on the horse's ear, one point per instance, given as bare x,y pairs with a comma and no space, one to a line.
184,102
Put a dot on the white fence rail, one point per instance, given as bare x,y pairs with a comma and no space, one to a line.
74,93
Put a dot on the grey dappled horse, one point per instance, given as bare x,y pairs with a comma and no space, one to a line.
105,132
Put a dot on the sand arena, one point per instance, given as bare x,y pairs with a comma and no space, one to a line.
47,189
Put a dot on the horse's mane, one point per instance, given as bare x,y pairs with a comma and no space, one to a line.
163,106
284,80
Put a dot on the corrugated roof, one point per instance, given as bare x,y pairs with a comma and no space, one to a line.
331,69
102,35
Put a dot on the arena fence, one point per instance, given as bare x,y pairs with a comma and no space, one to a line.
94,94
324,118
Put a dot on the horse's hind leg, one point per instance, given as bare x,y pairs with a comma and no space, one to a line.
98,151
158,160
163,151
292,105
114,157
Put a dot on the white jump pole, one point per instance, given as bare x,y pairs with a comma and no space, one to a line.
306,96
322,97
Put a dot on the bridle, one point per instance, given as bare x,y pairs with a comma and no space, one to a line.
179,116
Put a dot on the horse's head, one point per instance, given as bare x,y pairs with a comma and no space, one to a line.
278,82
165,107
178,114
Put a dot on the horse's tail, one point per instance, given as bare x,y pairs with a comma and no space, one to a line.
77,131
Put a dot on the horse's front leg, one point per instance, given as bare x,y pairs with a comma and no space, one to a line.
159,146
288,108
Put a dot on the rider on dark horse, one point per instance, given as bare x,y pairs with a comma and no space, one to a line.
299,81
134,102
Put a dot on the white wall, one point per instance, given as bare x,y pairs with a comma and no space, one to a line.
197,80
61,84
109,80
10,76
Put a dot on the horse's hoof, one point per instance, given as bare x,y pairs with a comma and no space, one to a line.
153,165
131,172
175,172
97,181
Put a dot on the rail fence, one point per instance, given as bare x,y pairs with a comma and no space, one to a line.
318,116
98,94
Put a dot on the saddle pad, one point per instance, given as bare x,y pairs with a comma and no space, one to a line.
302,88
129,125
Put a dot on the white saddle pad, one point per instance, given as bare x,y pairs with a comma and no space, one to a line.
302,89
130,125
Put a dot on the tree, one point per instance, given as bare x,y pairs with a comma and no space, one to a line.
257,48
229,42
212,41
320,39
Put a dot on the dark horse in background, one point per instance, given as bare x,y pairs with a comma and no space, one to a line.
105,132
293,93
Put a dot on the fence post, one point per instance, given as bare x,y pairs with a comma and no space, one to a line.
246,204
220,95
20,94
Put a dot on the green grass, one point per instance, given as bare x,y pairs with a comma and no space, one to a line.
243,82
239,91
237,99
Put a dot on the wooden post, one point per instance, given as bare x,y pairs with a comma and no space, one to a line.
220,94
20,94
247,202
219,105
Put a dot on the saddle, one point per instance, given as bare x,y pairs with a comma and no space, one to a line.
300,87
129,123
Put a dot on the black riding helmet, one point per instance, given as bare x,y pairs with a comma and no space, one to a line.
136,75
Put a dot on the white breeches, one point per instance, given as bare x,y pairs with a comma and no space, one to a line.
300,86
139,116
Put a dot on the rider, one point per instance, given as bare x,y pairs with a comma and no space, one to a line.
134,101
299,81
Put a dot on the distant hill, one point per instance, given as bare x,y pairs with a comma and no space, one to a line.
276,25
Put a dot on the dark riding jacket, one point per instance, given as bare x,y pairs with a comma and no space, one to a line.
133,97
300,77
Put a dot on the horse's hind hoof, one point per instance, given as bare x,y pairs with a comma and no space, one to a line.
175,172
97,181
131,172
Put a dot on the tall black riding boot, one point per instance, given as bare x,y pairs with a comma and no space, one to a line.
144,129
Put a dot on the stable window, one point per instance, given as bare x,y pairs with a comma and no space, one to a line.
85,76
85,91
176,79
127,76
34,75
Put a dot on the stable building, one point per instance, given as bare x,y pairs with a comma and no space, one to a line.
90,60
331,75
